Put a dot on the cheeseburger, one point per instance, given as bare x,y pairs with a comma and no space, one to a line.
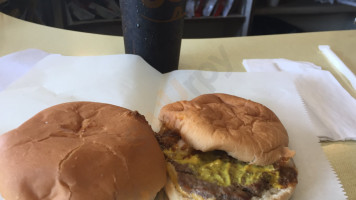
219,146
81,150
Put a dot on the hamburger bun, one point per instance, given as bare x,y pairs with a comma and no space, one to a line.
81,150
240,142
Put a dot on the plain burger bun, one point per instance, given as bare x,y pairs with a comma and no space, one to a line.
246,130
81,150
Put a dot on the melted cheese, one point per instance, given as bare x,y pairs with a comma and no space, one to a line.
208,166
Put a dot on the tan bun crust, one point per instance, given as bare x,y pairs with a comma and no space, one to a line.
81,150
246,130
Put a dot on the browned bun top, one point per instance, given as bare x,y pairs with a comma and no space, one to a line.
246,130
81,150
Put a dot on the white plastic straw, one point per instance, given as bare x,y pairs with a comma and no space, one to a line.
337,62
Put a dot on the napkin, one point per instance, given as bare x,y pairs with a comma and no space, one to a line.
15,65
331,108
128,81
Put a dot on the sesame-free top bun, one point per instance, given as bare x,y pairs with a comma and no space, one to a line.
246,130
81,150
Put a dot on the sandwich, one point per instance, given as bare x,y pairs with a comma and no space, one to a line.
219,146
81,150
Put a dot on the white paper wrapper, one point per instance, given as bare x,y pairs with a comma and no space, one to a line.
129,82
331,108
17,64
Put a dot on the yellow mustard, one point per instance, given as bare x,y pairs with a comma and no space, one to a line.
208,166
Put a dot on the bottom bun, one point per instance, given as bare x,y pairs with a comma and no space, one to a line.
174,194
275,194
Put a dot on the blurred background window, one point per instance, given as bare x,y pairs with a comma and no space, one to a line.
204,18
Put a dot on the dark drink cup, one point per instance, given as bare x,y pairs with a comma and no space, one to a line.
153,30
